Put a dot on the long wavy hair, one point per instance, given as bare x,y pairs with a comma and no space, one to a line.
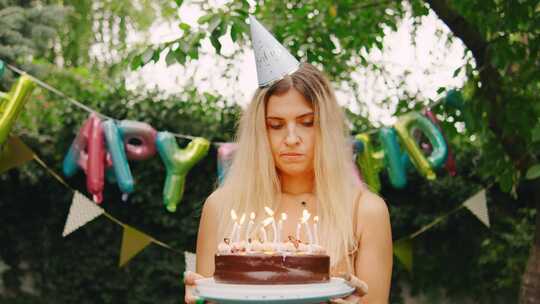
252,181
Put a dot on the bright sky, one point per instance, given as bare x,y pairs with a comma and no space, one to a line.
428,65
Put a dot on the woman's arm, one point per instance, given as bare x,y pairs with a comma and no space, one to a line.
207,236
374,257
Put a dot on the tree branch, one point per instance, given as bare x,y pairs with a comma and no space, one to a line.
492,85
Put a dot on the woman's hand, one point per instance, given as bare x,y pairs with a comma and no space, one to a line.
190,279
361,290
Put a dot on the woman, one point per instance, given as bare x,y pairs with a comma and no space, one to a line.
294,154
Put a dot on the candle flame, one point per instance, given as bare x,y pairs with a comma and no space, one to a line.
316,218
242,218
252,216
284,216
269,211
267,221
233,215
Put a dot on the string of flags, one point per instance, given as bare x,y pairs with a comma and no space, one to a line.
102,148
83,210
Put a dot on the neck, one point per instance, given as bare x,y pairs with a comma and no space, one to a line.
297,184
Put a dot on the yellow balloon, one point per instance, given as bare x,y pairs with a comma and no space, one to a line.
403,126
12,104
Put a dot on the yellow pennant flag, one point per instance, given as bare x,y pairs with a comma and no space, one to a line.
14,153
133,241
404,252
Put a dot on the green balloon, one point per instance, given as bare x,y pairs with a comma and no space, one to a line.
370,163
178,162
2,68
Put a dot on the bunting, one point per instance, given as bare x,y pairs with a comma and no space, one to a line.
14,153
82,211
477,205
133,242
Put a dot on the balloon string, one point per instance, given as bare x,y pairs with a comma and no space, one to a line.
178,135
81,105
108,215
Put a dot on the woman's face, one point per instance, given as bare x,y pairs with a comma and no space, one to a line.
290,125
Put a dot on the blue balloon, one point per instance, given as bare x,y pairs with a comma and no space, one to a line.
115,147
396,161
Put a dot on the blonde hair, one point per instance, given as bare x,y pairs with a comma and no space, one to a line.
252,181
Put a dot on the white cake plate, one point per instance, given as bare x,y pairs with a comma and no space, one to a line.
282,294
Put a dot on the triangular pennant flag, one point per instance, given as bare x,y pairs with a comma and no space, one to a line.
477,204
133,241
403,252
82,211
14,153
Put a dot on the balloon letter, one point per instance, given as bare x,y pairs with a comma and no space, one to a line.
395,160
370,165
13,104
177,163
404,127
139,139
450,164
115,146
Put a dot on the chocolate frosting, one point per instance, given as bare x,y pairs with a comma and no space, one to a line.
271,269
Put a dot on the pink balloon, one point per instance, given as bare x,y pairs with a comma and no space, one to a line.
142,133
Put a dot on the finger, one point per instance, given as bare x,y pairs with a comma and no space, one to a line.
190,277
190,299
340,301
361,286
353,299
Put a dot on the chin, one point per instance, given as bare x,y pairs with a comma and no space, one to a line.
294,169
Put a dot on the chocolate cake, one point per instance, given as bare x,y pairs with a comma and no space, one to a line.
262,268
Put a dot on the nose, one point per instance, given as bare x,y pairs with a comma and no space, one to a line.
292,137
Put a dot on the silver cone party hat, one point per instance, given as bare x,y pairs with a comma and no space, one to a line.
272,59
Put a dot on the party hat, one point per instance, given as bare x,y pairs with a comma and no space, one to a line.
272,59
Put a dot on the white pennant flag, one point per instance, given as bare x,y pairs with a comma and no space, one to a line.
82,211
477,204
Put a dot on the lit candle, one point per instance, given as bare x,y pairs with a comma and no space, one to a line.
235,225
263,231
242,219
316,229
250,225
271,219
280,226
305,219
298,227
265,223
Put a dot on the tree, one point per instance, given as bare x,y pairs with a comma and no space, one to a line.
501,36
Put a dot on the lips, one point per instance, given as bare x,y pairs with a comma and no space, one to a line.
291,154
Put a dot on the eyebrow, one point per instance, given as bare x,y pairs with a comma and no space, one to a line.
299,116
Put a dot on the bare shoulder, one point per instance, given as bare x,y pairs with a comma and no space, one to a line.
212,202
372,211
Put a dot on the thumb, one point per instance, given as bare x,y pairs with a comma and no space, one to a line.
190,277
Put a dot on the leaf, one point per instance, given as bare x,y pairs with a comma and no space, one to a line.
170,58
533,172
440,90
204,19
136,62
456,72
506,181
536,133
179,2
215,43
184,26
235,31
